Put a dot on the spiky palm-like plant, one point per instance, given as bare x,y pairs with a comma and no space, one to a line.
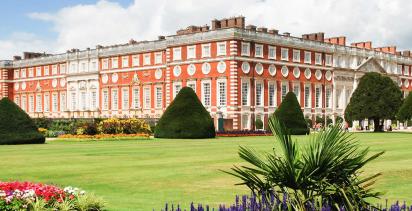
328,169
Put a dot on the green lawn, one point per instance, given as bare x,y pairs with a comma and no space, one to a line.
144,174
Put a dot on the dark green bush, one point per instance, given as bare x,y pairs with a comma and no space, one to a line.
185,118
290,114
259,124
16,127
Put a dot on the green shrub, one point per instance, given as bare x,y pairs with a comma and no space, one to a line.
110,126
259,124
118,126
16,127
134,126
405,111
291,115
185,118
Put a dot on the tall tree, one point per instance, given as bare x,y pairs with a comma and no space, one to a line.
290,114
376,98
405,112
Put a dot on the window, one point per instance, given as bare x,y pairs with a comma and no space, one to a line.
307,96
318,98
146,92
105,94
146,59
296,55
296,90
73,68
125,61
38,103
318,58
328,60
245,93
245,49
24,103
23,73
245,121
17,100
221,49
272,52
136,98
192,84
135,60
46,103
115,63
125,98
284,89
38,71
259,94
406,71
83,67
54,69
105,64
62,101
399,69
176,89
272,95
308,57
73,100
158,58
258,50
115,99
93,104
31,103
93,66
206,94
206,50
159,97
328,98
221,97
191,52
62,68
83,100
177,54
31,72
284,54
16,74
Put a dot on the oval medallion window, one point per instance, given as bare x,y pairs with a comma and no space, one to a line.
158,74
221,67
318,74
206,68
115,77
191,69
54,83
400,83
63,81
105,78
177,70
272,70
23,86
246,67
16,86
285,71
296,72
259,68
328,75
406,83
308,73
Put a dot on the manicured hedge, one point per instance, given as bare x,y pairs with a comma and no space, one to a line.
185,118
16,127
290,114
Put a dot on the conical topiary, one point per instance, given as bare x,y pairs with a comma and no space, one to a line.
291,115
185,118
16,127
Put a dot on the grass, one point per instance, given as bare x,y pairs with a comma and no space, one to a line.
144,174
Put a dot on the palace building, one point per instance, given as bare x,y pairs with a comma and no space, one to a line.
240,73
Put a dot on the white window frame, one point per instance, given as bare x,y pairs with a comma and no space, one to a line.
135,60
191,52
115,62
296,55
31,103
247,100
406,70
46,102
328,60
31,72
136,97
39,107
55,102
259,101
318,58
62,68
284,54
24,102
83,100
177,54
308,100
93,99
125,98
273,49
318,99
221,101
16,74
73,100
147,95
17,100
245,49
308,57
114,96
146,59
159,96
221,49
209,102
259,50
54,70
205,53
158,57
63,101
272,103
294,85
38,71
191,84
125,61
46,70
176,90
328,101
282,95
105,64
23,73
105,99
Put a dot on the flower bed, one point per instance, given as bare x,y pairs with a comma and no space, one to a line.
104,136
38,196
239,133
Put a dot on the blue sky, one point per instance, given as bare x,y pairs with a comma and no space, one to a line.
55,26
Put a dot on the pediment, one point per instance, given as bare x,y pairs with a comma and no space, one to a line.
370,65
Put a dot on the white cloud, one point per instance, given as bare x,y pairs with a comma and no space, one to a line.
385,22
19,42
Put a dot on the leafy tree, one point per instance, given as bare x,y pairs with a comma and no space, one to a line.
405,111
326,170
16,127
290,114
185,118
377,97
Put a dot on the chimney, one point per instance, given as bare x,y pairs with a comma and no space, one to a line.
286,34
364,45
251,27
16,58
233,22
336,40
132,41
320,36
30,55
215,24
398,53
388,49
205,28
273,31
161,37
406,53
262,29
